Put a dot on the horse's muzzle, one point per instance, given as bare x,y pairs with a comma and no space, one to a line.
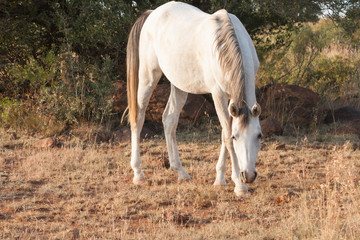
248,177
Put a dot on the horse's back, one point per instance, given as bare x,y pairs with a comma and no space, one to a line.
175,23
178,13
180,36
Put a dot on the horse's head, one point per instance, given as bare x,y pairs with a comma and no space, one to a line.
246,134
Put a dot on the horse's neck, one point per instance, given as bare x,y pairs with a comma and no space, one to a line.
250,96
250,59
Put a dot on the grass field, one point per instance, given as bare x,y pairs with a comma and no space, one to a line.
308,188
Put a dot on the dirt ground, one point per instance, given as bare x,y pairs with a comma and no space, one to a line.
307,188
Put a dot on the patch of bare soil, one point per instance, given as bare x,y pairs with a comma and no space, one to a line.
307,188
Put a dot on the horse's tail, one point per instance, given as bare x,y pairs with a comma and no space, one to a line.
132,70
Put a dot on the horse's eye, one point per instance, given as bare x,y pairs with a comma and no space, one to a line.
259,136
233,137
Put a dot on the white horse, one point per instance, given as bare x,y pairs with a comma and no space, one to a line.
198,53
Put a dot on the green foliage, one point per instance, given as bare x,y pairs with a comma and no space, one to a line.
22,115
331,74
34,75
95,29
65,57
63,88
346,14
319,57
84,92
7,106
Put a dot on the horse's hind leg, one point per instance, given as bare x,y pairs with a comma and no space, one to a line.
148,79
171,115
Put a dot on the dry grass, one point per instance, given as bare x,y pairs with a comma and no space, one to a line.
306,189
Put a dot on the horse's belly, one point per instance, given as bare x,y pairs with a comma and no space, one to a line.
190,85
184,72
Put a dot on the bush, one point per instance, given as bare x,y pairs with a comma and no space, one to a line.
319,58
83,93
7,107
58,91
25,117
330,74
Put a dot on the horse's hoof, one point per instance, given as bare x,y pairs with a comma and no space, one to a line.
219,188
139,181
242,193
184,177
184,180
220,183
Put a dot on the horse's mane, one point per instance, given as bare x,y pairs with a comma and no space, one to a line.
230,60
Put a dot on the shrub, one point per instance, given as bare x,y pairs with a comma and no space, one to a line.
84,91
60,90
7,107
330,74
24,116
319,58
31,78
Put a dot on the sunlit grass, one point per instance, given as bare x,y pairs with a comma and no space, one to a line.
306,189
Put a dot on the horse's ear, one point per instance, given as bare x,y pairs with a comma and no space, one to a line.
234,110
256,110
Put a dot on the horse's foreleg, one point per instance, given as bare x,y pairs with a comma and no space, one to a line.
221,166
222,111
171,115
